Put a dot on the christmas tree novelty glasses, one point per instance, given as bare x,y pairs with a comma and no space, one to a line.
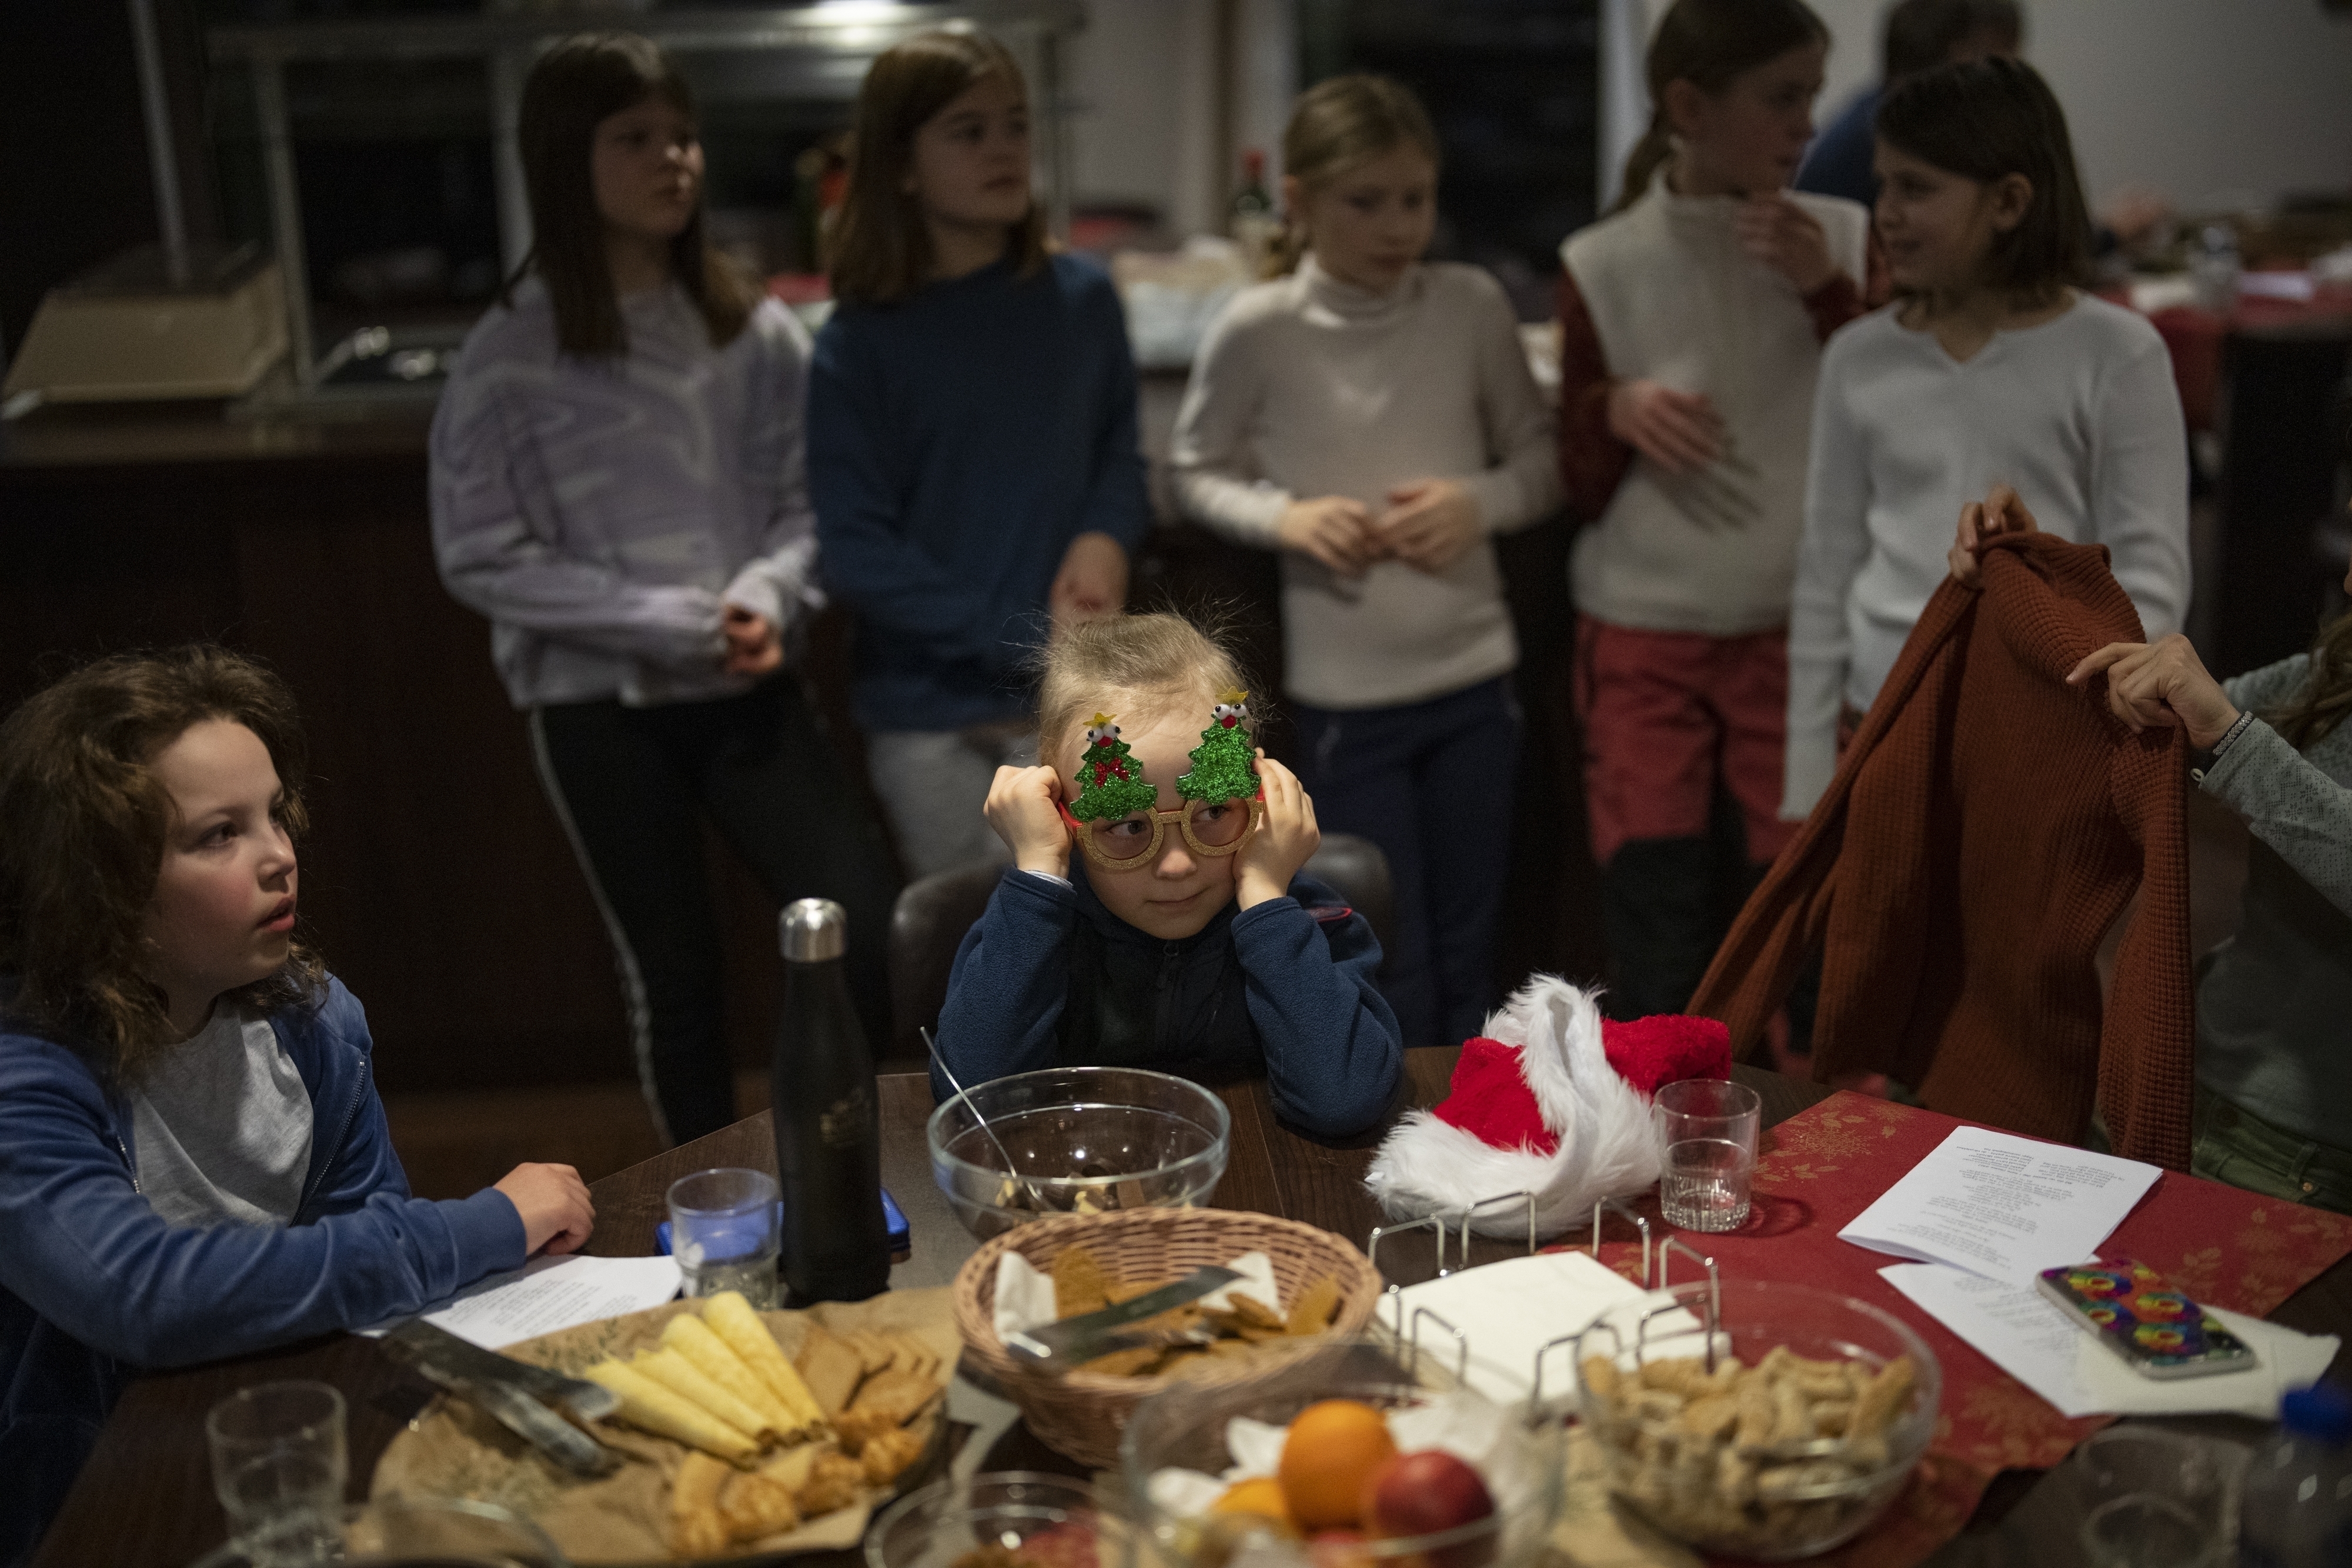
1116,815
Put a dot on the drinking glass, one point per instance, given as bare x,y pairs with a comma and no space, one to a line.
1706,1151
2146,1530
722,1231
2156,1499
279,1467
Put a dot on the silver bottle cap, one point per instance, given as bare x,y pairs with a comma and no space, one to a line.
814,929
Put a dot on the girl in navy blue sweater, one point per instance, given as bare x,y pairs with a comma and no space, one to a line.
1156,916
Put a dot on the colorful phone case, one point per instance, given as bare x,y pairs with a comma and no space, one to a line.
2138,1314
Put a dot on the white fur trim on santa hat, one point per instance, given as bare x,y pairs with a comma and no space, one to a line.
1606,1147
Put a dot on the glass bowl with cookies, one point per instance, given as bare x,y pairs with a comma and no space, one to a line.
1076,1140
1753,1417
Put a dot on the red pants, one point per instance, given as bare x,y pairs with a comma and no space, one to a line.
1666,715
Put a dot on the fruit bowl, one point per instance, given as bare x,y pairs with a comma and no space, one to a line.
1188,1448
1793,1456
1088,1140
1047,1522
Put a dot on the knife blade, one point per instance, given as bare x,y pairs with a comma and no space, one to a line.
420,1343
527,1418
1082,1338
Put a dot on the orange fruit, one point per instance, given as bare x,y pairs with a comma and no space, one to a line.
1262,1496
1332,1448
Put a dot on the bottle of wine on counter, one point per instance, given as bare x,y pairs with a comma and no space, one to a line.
829,1138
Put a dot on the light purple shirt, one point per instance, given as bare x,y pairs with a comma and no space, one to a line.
601,513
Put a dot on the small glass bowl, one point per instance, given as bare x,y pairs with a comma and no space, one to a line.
1822,1496
1087,1140
1053,1519
1188,1427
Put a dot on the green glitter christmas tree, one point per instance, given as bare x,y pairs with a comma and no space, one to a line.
1110,784
1221,764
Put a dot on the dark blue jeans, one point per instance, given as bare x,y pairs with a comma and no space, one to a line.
1430,783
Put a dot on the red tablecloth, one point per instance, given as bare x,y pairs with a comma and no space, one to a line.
1820,1168
2195,337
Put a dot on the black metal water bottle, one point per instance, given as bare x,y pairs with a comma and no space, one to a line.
828,1139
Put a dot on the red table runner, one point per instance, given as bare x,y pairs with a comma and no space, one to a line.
1824,1166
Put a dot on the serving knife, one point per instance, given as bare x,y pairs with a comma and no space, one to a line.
522,1398
1076,1339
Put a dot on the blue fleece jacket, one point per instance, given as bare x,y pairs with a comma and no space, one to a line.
1050,977
958,440
94,1286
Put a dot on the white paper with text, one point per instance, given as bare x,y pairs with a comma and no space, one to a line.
2002,1206
551,1294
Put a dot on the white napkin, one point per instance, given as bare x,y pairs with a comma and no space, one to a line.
1024,1298
1510,1311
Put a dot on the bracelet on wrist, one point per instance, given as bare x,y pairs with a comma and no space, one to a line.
2229,736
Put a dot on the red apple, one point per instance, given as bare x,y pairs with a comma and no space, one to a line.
1422,1493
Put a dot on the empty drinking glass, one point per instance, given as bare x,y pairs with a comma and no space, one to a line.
1706,1131
722,1229
279,1467
2156,1499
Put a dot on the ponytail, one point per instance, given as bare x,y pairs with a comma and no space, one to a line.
1649,155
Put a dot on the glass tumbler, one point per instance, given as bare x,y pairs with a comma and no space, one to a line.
280,1465
722,1231
1707,1130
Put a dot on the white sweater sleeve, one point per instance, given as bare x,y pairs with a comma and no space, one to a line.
1521,485
2139,489
1208,458
1836,542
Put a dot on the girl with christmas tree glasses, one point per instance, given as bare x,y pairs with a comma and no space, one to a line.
1117,817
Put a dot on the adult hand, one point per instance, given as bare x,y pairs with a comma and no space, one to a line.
553,1202
1284,840
1677,431
755,646
1023,807
1785,237
2000,512
1091,582
2162,684
1336,530
1429,523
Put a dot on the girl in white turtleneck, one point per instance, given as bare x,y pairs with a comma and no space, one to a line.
1371,416
1691,325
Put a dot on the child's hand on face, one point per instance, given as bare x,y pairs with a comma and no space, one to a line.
1786,238
1336,530
1429,523
1677,431
1284,841
1023,807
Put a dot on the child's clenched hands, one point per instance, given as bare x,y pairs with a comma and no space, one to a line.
1284,840
1024,808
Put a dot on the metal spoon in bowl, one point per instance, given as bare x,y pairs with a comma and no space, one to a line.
1036,1200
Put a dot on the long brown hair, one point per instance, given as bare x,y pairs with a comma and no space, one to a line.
881,249
2320,704
1708,43
575,86
1336,124
1985,120
83,821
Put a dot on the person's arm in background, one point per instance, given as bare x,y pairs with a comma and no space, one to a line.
1786,238
2139,484
1605,420
865,556
776,589
496,539
1835,543
1092,580
2286,801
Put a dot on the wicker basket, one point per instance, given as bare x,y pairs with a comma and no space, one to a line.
1081,1413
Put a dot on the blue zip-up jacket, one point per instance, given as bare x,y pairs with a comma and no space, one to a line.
1049,978
94,1286
958,440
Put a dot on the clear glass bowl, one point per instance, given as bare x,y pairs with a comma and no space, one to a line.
1822,1490
1051,1519
1089,1139
1189,1427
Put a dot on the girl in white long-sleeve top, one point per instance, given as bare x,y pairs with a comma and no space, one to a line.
1992,368
1372,417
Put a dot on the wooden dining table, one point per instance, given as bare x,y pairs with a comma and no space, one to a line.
144,1499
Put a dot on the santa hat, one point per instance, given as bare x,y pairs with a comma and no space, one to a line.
1552,1100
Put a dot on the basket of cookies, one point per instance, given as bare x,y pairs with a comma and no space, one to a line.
1295,1284
1756,1418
